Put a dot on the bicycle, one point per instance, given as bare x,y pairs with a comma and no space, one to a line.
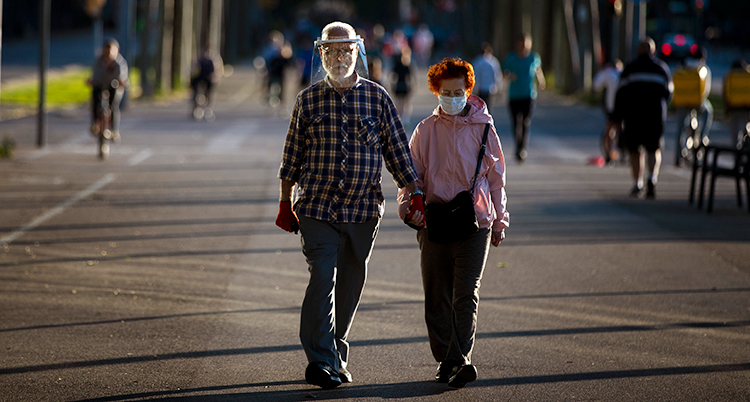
690,140
103,131
201,102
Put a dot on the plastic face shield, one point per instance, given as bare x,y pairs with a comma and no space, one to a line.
336,57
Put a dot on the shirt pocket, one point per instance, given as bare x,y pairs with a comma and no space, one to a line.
367,130
319,127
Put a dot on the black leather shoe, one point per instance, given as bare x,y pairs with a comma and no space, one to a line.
344,375
463,375
445,370
322,375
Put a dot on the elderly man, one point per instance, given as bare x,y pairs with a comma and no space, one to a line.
340,129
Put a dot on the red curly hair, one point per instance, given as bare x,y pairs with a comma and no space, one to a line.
449,68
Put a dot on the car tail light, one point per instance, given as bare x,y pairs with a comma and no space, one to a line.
666,49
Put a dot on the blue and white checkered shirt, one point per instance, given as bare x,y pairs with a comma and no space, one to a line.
334,148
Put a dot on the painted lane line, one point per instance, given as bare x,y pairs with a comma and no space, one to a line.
140,157
99,184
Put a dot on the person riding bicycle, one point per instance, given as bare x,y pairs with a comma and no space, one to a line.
698,71
109,73
208,72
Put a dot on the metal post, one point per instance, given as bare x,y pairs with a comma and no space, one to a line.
44,23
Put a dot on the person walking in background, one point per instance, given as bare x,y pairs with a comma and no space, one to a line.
488,75
340,129
640,112
606,81
523,68
445,148
404,78
109,73
276,74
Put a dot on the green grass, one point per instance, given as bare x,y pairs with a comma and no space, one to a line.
64,89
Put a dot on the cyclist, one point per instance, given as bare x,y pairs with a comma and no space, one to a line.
208,72
705,111
109,73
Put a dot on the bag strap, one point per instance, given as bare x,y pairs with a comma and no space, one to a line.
481,156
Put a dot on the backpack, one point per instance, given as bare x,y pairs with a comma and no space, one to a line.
689,85
737,89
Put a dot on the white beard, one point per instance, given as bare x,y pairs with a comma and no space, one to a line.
340,72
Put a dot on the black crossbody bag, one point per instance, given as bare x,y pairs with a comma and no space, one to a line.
455,220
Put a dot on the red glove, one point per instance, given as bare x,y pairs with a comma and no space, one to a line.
416,203
287,219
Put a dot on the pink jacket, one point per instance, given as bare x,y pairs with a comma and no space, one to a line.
444,151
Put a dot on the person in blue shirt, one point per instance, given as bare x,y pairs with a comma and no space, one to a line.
523,69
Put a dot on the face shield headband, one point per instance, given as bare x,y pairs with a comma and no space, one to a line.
318,71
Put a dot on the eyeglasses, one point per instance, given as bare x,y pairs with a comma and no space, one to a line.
337,52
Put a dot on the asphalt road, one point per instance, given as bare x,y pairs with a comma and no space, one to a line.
159,274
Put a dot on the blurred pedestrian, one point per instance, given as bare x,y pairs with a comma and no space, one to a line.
404,78
422,42
523,68
340,129
488,75
109,73
276,74
606,81
456,149
640,112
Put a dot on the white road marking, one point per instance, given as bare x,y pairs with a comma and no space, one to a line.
99,184
140,157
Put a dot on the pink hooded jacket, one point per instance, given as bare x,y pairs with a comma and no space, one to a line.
444,151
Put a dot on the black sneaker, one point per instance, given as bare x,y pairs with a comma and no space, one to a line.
445,370
650,190
462,375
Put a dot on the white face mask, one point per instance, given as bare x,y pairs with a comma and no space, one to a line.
452,105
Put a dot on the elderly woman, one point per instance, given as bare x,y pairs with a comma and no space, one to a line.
445,148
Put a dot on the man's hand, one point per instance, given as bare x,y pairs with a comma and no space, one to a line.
287,219
415,217
497,237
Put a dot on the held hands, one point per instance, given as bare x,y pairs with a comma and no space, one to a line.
415,217
287,219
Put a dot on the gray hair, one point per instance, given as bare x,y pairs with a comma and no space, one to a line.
338,29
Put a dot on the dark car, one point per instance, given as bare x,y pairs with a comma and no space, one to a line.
675,47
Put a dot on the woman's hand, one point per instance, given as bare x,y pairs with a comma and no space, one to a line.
497,237
417,219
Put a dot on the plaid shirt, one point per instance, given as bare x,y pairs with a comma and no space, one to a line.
334,148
